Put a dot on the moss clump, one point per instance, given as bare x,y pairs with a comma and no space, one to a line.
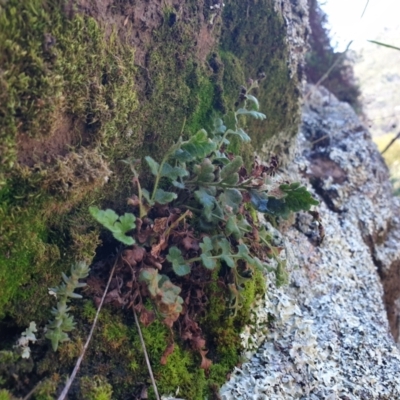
5,395
181,372
95,388
25,256
223,329
179,89
54,67
253,42
67,92
47,388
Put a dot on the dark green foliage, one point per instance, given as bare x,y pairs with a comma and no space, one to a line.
294,198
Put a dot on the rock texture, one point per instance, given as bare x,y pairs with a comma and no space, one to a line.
330,336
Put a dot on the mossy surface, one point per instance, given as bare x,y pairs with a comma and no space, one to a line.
5,395
62,82
72,105
253,42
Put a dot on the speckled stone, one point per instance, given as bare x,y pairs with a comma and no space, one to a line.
329,338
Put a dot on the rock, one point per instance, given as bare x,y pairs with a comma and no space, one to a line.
330,335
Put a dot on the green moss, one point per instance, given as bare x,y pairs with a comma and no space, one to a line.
178,87
95,388
181,369
47,388
223,330
62,81
25,256
53,67
5,395
253,41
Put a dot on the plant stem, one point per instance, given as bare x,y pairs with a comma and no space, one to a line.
158,177
142,211
176,223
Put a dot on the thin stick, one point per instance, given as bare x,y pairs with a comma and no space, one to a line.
365,9
79,361
320,139
391,142
146,356
29,395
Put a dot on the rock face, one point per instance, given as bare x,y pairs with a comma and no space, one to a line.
109,80
330,336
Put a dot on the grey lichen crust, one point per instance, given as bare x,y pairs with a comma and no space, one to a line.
329,336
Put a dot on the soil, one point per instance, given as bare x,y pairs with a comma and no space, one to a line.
65,134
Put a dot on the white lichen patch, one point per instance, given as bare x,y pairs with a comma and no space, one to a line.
328,335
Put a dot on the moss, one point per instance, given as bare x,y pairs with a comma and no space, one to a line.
13,368
62,82
181,369
5,395
25,256
55,66
95,388
178,88
179,374
47,388
253,41
223,330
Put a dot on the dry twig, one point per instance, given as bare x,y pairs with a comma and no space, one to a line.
391,142
146,356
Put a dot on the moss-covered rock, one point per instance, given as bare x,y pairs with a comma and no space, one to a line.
254,42
80,90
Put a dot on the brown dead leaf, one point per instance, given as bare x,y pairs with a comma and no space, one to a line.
190,243
169,321
114,297
168,351
205,362
135,255
147,317
133,201
154,261
96,285
198,343
142,236
160,224
157,248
